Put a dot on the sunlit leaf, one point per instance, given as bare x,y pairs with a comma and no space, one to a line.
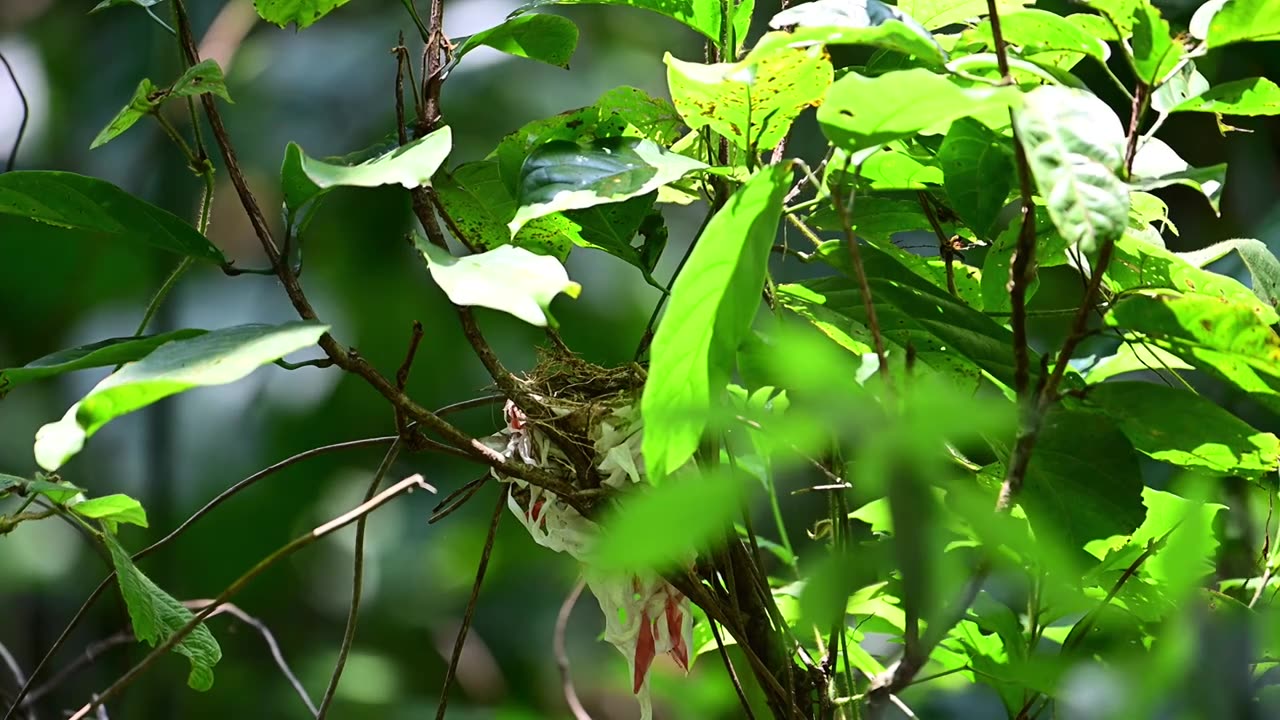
214,358
113,509
1075,146
859,22
479,207
46,207
934,14
1155,52
1135,356
114,351
300,12
1244,21
1037,31
156,615
547,38
894,167
1257,257
712,304
705,16
507,278
1185,84
754,101
1249,97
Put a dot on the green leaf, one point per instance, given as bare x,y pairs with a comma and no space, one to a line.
507,278
1050,250
978,171
713,302
705,16
203,77
563,175
1075,146
113,508
1257,257
1185,84
58,492
1244,21
546,38
1157,165
662,528
934,14
300,12
859,22
117,3
1155,52
861,112
9,482
114,351
893,167
752,102
1249,97
45,206
139,105
1181,428
214,358
1084,479
304,178
156,616
1134,357
1037,31
1137,264
479,207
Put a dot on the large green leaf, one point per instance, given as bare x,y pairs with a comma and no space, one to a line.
1249,97
1084,480
1155,52
705,16
508,278
156,615
214,358
1050,251
1244,21
713,302
479,208
1179,427
934,14
754,101
859,22
300,12
547,38
1257,257
1134,356
894,167
1075,146
1137,264
303,178
1037,31
1157,165
114,351
112,509
662,528
563,175
861,112
38,206
978,171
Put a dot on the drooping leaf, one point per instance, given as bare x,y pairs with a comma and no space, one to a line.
712,304
861,112
139,105
978,171
934,14
1257,257
45,206
214,358
1176,426
1155,52
546,38
203,77
114,351
156,616
1038,31
1157,165
664,527
507,278
303,178
300,12
1244,21
1137,264
754,101
859,22
705,16
1249,97
563,175
1075,146
113,509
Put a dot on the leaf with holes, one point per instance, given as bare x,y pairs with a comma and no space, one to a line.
978,171
546,38
507,278
1075,146
858,22
300,12
1257,257
1140,265
1157,165
563,175
217,357
205,77
114,351
44,206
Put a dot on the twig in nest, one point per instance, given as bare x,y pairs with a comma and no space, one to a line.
562,656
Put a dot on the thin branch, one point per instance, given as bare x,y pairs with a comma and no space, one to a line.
647,336
562,656
945,250
12,663
469,613
357,580
456,499
90,654
26,114
860,273
733,674
409,483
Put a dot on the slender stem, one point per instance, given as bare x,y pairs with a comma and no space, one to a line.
562,655
944,244
860,273
268,638
26,115
649,326
729,669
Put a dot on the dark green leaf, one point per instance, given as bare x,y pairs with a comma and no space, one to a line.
1176,426
1157,165
156,615
115,351
1250,97
46,206
563,175
705,16
1075,147
507,278
713,301
752,102
859,22
214,358
113,508
1155,52
1244,21
547,38
300,12
479,208
978,172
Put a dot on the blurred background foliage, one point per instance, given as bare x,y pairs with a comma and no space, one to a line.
330,89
